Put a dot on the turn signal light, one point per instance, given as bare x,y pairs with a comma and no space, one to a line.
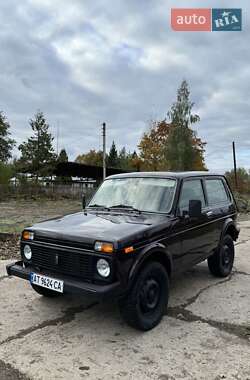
128,249
27,235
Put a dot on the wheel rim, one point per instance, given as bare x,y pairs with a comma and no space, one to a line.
149,295
226,256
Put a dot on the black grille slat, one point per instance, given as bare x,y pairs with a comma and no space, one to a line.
63,261
68,243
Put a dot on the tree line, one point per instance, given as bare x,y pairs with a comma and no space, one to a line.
37,155
168,144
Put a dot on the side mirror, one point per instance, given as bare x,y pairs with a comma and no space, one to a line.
194,209
83,201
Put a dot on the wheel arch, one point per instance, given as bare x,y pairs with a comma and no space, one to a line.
157,252
230,228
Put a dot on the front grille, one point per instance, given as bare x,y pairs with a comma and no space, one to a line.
67,243
70,262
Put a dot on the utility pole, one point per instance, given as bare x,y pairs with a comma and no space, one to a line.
38,153
235,167
57,139
104,150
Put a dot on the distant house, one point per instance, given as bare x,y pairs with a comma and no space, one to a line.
68,178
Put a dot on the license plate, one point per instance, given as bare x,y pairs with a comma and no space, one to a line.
46,282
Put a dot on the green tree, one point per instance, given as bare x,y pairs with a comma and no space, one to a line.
6,143
63,157
112,158
6,173
92,157
184,150
37,154
122,159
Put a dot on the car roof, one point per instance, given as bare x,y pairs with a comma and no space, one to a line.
176,175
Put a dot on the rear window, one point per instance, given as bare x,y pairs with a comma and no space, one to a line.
216,192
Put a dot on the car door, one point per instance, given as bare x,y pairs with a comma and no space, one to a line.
194,232
219,206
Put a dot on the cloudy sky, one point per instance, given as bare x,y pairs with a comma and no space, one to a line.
83,62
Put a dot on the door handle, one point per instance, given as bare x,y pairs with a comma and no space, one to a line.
209,213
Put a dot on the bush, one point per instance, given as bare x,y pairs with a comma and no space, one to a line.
243,178
6,172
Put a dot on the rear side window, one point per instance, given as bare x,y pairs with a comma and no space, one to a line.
216,192
191,190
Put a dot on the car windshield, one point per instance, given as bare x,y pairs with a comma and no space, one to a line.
144,194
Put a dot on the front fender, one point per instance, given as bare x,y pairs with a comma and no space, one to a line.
156,251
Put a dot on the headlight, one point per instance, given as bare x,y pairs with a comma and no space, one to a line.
27,252
27,235
102,246
103,268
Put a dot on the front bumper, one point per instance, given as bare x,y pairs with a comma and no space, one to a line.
71,285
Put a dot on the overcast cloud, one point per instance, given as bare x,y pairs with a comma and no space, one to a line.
85,62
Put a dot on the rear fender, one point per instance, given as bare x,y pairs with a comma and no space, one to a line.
230,228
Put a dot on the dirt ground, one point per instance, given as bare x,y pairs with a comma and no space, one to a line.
15,215
205,334
9,247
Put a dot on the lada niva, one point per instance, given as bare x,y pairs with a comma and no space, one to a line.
137,231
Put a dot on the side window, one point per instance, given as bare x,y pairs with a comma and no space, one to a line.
216,192
191,190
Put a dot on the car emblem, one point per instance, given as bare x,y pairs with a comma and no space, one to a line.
56,259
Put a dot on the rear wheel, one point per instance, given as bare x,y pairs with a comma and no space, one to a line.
145,305
221,262
45,292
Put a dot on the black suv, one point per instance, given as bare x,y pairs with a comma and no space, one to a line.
136,232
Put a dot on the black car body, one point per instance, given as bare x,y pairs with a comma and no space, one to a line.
201,213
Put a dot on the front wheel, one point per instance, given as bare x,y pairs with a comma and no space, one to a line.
145,304
45,292
221,262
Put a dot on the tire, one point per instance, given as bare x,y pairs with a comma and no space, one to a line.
45,292
221,262
145,304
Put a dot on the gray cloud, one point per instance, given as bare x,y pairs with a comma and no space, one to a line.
83,63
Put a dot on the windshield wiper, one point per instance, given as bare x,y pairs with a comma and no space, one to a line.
98,206
126,207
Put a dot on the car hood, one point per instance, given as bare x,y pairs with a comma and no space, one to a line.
87,227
